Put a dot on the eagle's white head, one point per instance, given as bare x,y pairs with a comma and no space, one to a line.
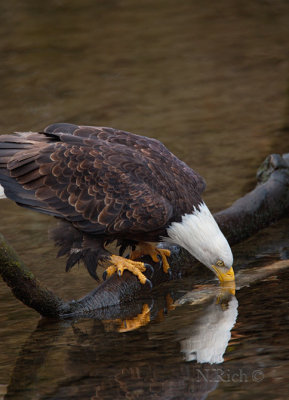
200,235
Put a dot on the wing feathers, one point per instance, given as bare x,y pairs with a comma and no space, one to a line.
100,179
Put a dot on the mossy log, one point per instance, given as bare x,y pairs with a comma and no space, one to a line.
24,285
267,203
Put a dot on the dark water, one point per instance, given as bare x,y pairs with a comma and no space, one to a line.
209,79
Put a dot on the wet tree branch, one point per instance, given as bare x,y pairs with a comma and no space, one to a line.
24,285
267,203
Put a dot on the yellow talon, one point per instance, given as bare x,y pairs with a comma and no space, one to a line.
120,264
153,252
131,324
164,254
134,323
110,271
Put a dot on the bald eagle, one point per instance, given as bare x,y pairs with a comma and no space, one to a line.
110,185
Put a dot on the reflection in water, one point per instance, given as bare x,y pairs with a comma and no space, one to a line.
102,364
141,319
172,72
156,311
207,339
129,324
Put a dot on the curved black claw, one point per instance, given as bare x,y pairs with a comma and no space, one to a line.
104,275
149,267
148,282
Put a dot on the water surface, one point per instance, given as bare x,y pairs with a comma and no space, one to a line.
210,80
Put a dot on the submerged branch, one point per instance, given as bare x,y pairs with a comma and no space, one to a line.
267,203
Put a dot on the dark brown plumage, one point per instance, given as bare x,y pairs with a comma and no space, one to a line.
109,184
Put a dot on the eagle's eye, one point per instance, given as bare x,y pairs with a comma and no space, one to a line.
220,263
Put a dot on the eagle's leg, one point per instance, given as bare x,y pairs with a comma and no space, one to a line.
120,264
145,248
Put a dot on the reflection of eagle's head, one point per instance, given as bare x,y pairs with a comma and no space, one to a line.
206,340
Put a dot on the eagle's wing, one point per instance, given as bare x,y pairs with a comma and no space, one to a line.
86,176
152,149
151,162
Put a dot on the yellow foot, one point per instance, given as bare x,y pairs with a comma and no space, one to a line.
120,264
141,319
131,324
153,251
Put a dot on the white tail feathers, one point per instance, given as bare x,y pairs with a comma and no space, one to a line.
2,194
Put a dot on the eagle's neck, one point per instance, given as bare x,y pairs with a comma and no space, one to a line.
200,234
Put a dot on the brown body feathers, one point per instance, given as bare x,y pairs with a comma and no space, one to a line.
107,183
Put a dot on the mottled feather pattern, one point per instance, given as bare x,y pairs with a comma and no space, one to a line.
103,180
109,184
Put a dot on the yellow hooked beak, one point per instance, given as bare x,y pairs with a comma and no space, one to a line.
226,276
